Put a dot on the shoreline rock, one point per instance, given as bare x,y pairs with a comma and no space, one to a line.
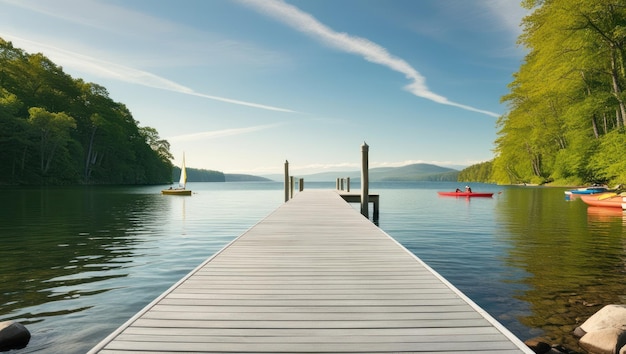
538,346
13,335
605,331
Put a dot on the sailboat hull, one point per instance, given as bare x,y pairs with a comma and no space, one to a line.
181,184
176,191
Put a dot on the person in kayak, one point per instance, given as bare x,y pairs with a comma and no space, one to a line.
468,189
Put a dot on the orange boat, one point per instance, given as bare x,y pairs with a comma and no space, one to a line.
612,200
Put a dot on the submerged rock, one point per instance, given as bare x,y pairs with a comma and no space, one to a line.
538,346
605,331
13,335
608,340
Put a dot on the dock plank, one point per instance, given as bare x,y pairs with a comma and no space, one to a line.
314,276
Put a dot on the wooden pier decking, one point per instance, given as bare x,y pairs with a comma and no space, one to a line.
314,276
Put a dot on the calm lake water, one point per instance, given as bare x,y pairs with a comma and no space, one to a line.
77,262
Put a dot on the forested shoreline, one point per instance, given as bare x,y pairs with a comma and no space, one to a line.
55,129
567,107
565,122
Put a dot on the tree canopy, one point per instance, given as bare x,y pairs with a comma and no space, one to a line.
567,107
55,129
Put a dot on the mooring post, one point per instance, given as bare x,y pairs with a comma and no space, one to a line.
301,184
364,180
286,181
347,184
291,186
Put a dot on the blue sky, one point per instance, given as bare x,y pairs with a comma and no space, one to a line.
242,86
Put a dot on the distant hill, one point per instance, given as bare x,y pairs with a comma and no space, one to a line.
200,175
233,177
414,172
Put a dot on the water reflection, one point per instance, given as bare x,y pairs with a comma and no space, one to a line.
60,245
602,215
574,258
78,262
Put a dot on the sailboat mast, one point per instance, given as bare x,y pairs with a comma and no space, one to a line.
183,174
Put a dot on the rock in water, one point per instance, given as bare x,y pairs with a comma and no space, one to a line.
610,316
605,331
13,335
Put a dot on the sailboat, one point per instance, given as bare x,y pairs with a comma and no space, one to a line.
181,183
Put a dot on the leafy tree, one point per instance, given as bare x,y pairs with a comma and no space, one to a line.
54,133
567,97
609,162
477,173
161,146
14,137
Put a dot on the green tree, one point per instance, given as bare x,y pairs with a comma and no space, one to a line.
15,142
160,146
54,133
609,162
481,172
567,95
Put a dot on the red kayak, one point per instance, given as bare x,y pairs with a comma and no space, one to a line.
464,194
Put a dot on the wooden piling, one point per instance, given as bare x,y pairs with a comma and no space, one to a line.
365,180
286,181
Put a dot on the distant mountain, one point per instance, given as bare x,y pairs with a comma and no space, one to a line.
201,175
198,175
414,172
233,177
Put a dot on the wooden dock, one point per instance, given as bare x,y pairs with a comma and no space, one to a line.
314,276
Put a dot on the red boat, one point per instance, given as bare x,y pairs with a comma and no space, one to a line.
612,200
464,194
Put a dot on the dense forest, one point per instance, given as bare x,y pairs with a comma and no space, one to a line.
55,129
566,105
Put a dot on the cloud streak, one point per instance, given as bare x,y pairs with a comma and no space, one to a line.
123,73
220,133
370,51
508,13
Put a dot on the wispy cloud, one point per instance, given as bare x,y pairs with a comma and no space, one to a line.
220,133
97,14
109,70
508,13
369,50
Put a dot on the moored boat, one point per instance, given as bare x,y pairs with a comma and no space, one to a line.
180,190
587,190
176,191
611,200
465,194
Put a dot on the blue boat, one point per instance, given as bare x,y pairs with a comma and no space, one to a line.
588,190
585,191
